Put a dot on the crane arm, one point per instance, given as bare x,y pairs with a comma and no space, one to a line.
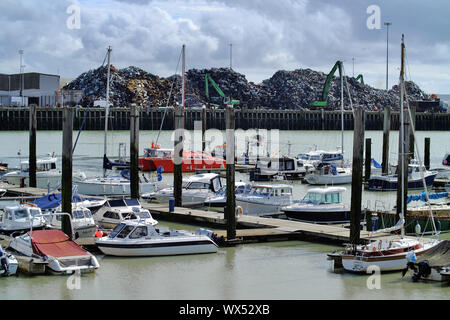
220,92
326,87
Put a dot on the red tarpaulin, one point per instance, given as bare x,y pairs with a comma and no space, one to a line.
55,243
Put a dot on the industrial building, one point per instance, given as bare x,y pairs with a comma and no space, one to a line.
38,88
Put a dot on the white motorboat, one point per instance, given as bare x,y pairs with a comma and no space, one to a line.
115,212
195,190
329,174
8,263
47,175
220,199
113,186
54,249
2,192
320,205
17,218
137,238
314,157
265,200
83,223
279,168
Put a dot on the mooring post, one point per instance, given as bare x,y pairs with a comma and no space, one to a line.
66,177
203,128
427,153
402,166
386,130
368,160
134,151
178,143
230,209
358,148
32,182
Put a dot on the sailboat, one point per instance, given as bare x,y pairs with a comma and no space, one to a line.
111,185
388,253
327,173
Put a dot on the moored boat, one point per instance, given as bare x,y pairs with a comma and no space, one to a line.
18,218
137,238
329,174
8,263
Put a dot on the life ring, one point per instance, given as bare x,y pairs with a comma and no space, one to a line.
239,210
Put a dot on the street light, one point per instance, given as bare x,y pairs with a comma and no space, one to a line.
387,24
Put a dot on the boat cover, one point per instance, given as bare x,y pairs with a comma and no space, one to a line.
53,200
438,256
55,243
423,197
376,164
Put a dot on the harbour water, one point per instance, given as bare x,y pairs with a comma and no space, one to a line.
278,270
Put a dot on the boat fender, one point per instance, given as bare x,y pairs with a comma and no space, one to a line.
239,210
417,228
379,245
98,234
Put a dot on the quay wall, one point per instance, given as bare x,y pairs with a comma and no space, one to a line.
16,118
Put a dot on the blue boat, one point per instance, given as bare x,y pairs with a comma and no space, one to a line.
389,182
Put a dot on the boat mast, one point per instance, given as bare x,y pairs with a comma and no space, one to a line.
402,136
342,110
107,106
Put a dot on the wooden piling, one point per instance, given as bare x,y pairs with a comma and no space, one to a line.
386,130
203,128
358,147
368,160
427,153
412,124
32,182
66,177
134,152
230,209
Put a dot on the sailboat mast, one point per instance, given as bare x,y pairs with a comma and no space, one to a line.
342,109
107,105
402,135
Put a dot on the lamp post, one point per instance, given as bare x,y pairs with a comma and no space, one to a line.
387,24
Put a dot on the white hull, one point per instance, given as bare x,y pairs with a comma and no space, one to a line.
196,198
258,209
328,179
158,248
43,180
109,189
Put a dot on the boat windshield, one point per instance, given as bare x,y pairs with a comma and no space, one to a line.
128,215
132,202
260,191
21,213
322,198
35,212
124,232
198,185
116,230
143,214
77,214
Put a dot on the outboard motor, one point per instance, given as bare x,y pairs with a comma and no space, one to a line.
424,269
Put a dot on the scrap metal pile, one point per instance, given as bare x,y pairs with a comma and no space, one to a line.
284,90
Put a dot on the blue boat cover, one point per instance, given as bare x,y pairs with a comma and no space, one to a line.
53,200
334,170
375,163
422,196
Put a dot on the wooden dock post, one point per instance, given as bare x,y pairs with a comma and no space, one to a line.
386,130
368,160
358,148
134,151
230,208
178,143
66,177
32,182
411,133
203,128
427,153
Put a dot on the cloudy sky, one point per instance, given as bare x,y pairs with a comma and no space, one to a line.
266,36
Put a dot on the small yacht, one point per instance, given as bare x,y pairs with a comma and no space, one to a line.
47,175
137,238
115,212
220,199
20,218
8,263
329,174
389,182
265,200
320,205
196,189
56,250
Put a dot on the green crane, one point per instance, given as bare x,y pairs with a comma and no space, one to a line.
326,88
360,77
225,99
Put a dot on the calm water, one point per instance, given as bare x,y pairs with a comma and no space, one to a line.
278,270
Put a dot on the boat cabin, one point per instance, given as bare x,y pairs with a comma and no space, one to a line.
270,191
206,181
318,196
19,217
158,153
132,231
46,164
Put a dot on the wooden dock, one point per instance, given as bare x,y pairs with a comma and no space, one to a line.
14,190
253,227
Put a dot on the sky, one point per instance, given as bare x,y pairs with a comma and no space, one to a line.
69,37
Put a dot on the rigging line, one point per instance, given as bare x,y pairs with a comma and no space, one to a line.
422,175
168,99
81,128
348,90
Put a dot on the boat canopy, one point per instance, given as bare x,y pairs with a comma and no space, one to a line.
54,243
53,200
422,196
